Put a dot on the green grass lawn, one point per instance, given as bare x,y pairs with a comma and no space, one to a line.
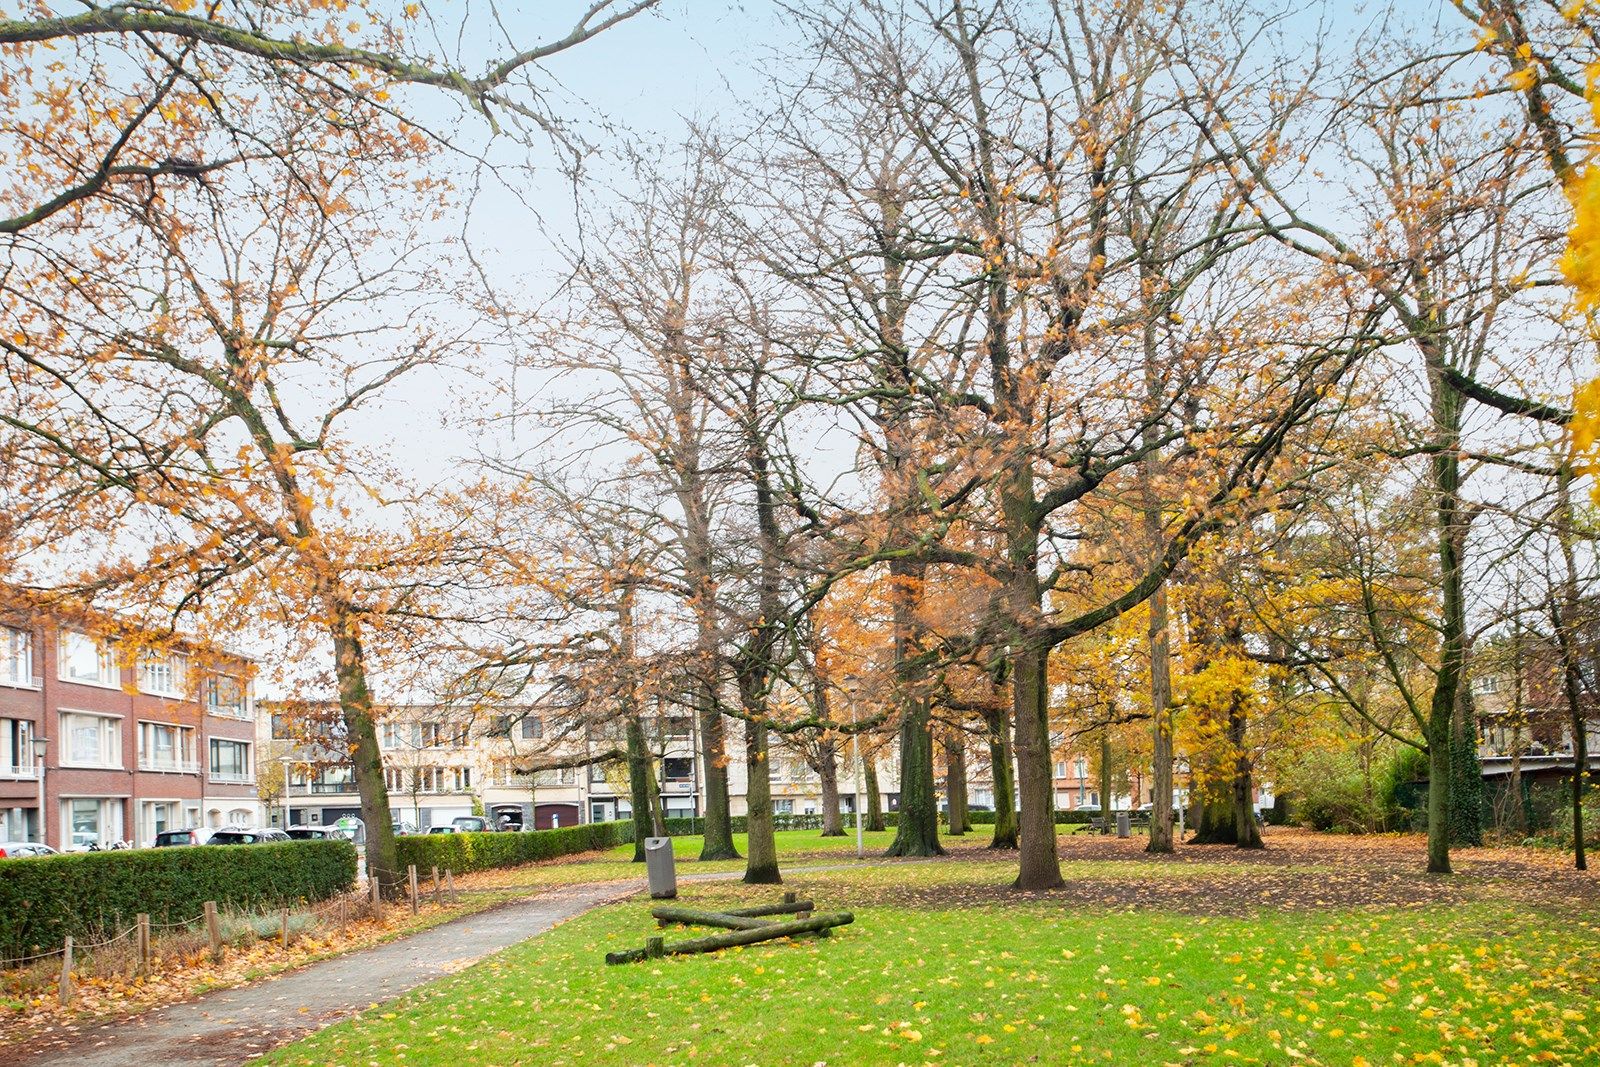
940,967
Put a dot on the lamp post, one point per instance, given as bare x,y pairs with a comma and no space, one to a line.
287,761
40,745
855,738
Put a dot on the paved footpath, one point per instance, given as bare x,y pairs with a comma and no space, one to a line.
231,1026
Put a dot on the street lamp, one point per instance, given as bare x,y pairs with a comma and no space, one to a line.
40,744
855,737
287,761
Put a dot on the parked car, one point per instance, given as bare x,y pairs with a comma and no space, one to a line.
442,830
402,828
17,850
311,833
194,835
265,835
470,824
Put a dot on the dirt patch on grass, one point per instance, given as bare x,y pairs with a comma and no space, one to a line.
1298,870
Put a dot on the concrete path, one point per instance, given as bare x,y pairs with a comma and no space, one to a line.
231,1026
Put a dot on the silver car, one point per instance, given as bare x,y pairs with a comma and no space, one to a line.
16,850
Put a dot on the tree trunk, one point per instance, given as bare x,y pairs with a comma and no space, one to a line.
761,866
640,783
917,832
828,772
1565,619
1105,779
1218,822
874,796
718,843
1519,810
955,782
366,760
1466,785
1160,703
1038,867
1246,833
1445,408
1005,781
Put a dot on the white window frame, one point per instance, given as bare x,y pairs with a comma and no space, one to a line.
111,725
18,653
164,674
241,710
16,756
105,658
249,775
183,761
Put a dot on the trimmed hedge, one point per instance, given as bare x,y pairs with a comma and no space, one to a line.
93,895
480,851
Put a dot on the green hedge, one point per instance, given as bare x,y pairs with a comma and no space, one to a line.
481,851
93,895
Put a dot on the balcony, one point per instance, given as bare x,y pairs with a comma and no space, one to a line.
233,778
242,712
19,774
169,766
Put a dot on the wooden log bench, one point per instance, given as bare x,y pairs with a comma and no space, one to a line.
741,926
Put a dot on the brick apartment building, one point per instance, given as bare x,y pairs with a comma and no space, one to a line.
101,743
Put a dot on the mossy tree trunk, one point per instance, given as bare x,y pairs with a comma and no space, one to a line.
955,781
1004,778
874,794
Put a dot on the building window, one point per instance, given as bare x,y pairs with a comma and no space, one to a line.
89,660
17,648
165,747
91,740
164,673
394,779
461,779
16,749
678,768
430,779
158,817
783,807
679,726
91,821
225,696
230,761
532,728
1061,768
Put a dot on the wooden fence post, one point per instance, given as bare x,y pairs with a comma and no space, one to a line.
450,885
438,898
377,896
64,990
411,879
144,942
283,933
214,929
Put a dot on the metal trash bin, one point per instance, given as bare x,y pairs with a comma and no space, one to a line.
1123,828
659,865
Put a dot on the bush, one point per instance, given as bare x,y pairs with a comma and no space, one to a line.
481,851
1330,792
86,895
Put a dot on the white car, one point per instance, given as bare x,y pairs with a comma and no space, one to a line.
16,850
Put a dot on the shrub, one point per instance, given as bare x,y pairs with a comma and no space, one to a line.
481,851
1329,791
45,899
